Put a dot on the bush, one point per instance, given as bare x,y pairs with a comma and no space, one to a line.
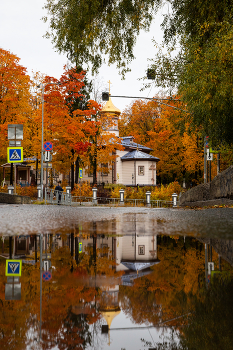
4,189
162,193
84,189
30,191
165,192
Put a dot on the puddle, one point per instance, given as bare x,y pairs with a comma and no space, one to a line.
122,281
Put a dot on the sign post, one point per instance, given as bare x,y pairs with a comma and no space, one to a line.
46,275
13,272
15,135
206,145
13,268
47,146
80,248
209,156
14,154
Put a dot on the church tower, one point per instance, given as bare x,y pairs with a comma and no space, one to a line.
110,109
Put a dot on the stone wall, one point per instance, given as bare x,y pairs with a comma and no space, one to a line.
221,187
14,199
223,247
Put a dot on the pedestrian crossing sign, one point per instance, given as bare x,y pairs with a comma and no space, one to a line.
80,247
14,154
13,268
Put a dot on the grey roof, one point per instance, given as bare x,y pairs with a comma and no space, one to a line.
138,155
128,279
127,141
137,266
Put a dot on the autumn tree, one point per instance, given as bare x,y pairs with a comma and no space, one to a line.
15,98
64,123
138,119
163,128
78,103
210,324
75,125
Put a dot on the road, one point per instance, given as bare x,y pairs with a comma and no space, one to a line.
28,219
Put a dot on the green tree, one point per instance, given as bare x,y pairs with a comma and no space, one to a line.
86,30
201,69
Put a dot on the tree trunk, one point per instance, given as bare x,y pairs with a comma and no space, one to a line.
72,171
77,170
95,163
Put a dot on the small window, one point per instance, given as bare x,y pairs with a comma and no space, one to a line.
22,174
104,169
141,250
104,250
141,170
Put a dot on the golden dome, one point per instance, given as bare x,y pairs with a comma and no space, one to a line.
110,108
110,315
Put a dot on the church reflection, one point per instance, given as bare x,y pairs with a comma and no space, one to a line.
129,252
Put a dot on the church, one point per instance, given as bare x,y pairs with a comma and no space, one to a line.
133,166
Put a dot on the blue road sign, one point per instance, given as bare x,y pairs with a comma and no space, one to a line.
13,267
14,154
46,276
48,146
80,173
80,247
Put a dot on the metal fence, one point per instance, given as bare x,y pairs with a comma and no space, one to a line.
57,197
65,198
132,202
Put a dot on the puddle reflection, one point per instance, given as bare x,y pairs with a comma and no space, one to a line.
133,290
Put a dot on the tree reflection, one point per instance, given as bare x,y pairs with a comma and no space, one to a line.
210,324
83,289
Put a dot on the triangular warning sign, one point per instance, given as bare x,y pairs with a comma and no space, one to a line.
13,266
15,155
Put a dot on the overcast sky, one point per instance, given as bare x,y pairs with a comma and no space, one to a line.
22,33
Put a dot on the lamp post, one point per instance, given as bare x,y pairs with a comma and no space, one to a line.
42,135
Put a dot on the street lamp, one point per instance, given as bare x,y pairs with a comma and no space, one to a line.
42,134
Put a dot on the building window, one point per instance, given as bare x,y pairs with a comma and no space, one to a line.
141,170
104,169
141,250
22,174
104,250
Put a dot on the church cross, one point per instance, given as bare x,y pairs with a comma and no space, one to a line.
153,251
109,82
153,168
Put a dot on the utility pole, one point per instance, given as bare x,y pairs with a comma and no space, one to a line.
205,158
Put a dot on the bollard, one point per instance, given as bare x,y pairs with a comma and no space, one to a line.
148,194
68,195
122,197
10,189
39,193
94,190
174,200
68,189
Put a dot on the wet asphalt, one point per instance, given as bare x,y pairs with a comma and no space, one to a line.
30,219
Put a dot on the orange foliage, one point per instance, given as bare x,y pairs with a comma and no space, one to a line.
15,98
158,126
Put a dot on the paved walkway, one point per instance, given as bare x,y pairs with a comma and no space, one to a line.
28,219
